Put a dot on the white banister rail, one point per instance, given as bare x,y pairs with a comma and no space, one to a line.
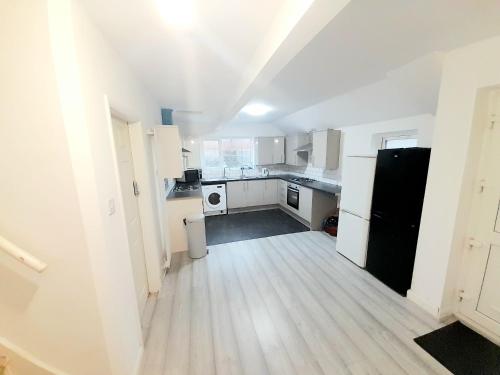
21,255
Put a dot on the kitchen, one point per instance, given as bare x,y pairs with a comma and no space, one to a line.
247,187
265,185
256,187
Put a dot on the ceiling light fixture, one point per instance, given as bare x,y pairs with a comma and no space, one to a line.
256,109
178,14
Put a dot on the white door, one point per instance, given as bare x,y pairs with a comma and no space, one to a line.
271,192
282,192
255,192
134,228
352,237
278,150
305,203
358,174
290,146
236,194
319,149
264,147
481,290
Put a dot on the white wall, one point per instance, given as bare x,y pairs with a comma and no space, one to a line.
366,140
59,80
194,159
451,175
54,315
92,78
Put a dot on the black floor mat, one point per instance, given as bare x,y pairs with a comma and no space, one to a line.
461,350
250,225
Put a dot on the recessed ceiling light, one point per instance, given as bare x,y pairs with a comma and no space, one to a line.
256,109
178,14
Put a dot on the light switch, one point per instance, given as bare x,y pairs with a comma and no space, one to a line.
111,207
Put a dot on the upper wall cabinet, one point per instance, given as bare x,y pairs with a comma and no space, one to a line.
293,142
325,149
168,151
269,150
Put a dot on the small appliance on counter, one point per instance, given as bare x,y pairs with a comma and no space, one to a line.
265,172
191,176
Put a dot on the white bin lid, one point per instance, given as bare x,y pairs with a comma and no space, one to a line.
195,218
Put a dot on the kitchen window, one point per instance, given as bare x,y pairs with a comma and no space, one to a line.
227,152
399,142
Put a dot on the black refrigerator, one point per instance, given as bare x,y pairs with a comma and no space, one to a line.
398,194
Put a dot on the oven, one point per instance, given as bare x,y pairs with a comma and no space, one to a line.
292,196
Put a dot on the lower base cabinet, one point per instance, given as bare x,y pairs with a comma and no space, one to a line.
236,194
305,203
282,191
251,193
314,206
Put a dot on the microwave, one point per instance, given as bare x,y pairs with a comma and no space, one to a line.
190,176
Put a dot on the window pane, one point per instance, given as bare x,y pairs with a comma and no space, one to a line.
400,143
237,152
211,153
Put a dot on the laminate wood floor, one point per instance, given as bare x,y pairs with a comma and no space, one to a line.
287,304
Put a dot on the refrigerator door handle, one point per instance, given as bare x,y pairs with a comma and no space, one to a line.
353,214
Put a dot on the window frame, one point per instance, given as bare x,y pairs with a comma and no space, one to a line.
221,163
385,139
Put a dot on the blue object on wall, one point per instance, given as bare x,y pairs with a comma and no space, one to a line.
166,116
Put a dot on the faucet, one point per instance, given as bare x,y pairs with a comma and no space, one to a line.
243,167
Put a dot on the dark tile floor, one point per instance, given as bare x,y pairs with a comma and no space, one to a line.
249,225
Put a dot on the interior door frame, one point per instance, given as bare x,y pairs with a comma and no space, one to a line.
146,199
467,269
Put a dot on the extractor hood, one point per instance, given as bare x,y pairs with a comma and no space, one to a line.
305,148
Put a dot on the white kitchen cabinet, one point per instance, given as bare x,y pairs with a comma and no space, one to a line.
293,142
264,148
255,192
269,150
236,194
352,237
325,149
305,203
278,150
245,193
168,152
270,192
282,192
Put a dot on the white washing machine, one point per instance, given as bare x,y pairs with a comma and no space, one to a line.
214,199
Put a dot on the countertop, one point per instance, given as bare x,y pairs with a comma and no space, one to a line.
316,185
185,194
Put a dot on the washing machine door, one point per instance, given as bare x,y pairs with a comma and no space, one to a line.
213,200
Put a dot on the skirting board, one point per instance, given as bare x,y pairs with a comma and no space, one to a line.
478,328
252,209
440,314
138,362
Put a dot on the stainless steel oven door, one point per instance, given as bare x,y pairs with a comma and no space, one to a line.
292,197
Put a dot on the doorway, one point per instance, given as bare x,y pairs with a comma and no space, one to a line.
480,295
130,192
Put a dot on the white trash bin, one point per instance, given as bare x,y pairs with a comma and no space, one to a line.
197,242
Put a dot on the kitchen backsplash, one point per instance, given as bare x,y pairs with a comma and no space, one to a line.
330,176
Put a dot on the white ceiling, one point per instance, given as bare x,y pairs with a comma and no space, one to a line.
367,40
195,70
410,90
365,65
